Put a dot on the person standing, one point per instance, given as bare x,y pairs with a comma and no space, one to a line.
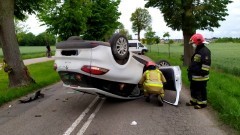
198,72
48,53
152,81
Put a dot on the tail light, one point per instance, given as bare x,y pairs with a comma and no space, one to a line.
55,66
94,70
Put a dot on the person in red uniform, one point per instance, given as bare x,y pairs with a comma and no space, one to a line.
198,72
152,81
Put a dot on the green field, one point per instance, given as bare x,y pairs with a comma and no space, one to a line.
28,52
225,56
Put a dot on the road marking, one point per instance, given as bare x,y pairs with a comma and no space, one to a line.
91,117
79,119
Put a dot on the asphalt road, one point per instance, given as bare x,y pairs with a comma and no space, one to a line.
63,111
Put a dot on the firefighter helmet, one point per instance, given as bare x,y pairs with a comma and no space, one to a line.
197,39
150,63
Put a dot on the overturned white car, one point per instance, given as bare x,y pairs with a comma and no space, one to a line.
108,68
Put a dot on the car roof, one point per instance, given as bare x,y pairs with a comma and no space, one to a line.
134,41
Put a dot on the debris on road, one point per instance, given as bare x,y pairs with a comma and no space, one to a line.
134,123
37,95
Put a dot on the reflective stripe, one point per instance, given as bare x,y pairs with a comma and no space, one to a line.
200,78
205,67
201,102
153,84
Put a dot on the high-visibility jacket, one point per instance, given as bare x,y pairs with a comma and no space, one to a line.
152,81
200,64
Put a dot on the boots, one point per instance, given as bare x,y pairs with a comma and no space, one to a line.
200,106
191,103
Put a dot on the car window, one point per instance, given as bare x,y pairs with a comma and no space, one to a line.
140,45
132,44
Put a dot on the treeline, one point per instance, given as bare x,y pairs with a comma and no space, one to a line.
227,39
29,39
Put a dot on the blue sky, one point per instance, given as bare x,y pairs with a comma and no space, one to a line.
229,28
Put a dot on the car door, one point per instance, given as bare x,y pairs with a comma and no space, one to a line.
173,85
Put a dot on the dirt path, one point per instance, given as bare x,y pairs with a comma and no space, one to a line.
34,60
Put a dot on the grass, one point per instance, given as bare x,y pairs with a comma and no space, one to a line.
28,52
223,88
42,73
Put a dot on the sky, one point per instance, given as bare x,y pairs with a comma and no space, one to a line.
229,28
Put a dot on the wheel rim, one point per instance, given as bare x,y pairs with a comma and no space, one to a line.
121,46
163,63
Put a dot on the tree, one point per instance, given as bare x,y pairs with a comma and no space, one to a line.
149,35
166,34
140,19
190,15
124,31
26,39
17,72
65,18
103,21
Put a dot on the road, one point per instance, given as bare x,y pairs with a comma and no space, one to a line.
63,111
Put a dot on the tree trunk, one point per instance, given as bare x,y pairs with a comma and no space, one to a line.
188,30
188,49
18,73
138,35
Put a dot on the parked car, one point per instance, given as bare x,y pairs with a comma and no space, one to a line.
137,47
107,68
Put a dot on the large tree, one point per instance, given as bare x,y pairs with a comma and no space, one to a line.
66,18
191,15
140,19
17,72
103,21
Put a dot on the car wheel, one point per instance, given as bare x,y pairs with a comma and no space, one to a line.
119,46
163,63
143,52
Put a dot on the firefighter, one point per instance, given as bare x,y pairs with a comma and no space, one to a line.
152,81
198,72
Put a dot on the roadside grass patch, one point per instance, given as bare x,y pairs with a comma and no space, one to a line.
42,73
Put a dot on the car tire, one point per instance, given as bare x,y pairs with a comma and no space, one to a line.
163,63
143,52
119,46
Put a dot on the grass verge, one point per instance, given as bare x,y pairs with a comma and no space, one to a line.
42,73
223,91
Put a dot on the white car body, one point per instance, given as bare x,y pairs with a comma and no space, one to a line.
89,66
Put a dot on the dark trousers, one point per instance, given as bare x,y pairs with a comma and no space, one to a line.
199,90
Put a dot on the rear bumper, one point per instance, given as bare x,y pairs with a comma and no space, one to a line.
88,84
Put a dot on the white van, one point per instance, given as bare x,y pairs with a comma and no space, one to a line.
136,47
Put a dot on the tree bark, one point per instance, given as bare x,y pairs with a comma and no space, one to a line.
188,49
18,75
188,30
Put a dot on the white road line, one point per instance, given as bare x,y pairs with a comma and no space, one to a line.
79,119
91,117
